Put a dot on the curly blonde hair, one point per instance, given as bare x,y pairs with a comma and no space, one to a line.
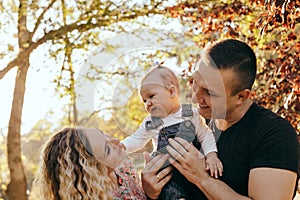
68,169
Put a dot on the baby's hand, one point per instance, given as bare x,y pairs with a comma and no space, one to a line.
213,164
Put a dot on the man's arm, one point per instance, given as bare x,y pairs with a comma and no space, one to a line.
276,184
264,184
271,183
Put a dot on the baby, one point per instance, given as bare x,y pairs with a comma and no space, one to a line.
167,118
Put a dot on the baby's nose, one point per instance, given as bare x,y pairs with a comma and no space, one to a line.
148,102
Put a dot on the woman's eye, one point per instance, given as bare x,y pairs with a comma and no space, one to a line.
107,150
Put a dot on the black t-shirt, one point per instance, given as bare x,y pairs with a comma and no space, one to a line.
260,139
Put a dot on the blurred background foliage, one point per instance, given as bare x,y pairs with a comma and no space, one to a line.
270,27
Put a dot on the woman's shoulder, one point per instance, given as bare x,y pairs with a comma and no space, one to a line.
128,180
126,170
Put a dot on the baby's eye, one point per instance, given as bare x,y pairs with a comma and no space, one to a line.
151,96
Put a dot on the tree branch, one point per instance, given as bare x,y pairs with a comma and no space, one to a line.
10,65
85,25
38,21
61,32
23,33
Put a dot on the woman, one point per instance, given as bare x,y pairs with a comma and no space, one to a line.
86,164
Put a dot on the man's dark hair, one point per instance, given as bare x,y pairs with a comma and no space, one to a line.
237,56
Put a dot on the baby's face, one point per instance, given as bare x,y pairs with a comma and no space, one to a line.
159,100
156,98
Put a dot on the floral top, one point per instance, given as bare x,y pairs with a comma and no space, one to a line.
129,183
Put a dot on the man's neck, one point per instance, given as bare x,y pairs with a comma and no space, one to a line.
234,117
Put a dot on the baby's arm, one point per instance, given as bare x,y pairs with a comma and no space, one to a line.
137,140
209,147
213,164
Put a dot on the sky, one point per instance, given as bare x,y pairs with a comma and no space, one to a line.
40,97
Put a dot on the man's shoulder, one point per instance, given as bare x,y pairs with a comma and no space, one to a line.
263,114
262,118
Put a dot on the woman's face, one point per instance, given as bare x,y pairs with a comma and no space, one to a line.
106,149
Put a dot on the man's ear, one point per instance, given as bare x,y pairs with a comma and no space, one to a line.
173,91
243,95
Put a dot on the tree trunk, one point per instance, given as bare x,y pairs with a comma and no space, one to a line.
16,189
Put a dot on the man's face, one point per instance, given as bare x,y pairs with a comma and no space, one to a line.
212,91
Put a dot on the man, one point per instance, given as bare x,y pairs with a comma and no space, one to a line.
258,149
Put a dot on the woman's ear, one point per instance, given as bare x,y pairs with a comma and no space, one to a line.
243,95
173,91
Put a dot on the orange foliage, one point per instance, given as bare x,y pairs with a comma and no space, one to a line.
272,29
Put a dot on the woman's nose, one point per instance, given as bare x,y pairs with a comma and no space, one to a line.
115,141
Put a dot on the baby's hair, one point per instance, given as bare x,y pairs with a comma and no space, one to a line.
167,75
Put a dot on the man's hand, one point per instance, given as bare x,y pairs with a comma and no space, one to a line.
153,180
187,159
